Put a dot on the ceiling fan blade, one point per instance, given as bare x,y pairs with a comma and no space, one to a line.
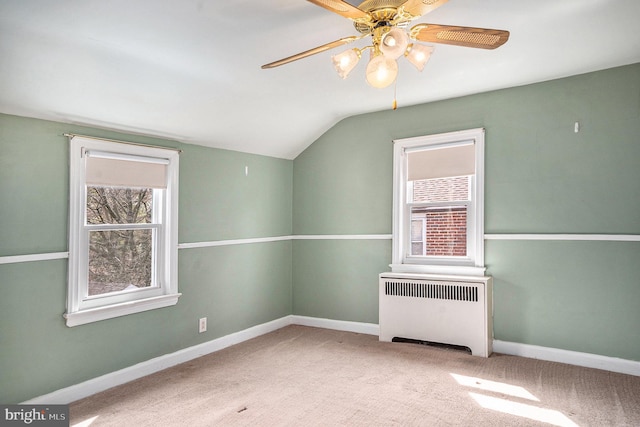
342,8
313,51
483,38
418,8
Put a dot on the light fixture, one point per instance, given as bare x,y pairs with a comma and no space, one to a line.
418,55
381,71
389,43
345,62
394,43
387,23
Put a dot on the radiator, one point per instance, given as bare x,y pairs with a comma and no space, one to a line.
440,309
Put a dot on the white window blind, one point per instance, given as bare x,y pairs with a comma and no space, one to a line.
116,170
442,162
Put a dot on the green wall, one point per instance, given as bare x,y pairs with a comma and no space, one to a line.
541,177
235,287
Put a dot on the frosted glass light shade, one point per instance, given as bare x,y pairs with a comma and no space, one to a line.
394,43
345,62
418,55
381,71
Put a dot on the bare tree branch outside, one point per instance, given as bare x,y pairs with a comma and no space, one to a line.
119,259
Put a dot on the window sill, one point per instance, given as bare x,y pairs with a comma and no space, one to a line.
456,270
117,310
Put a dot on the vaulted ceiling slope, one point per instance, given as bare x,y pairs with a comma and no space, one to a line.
190,70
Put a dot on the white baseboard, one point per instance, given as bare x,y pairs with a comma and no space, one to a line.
104,382
107,381
338,325
587,360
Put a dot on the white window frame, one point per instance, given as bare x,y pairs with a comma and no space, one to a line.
81,308
473,263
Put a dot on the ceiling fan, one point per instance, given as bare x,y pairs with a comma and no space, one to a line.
386,22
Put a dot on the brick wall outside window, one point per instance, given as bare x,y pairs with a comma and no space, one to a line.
447,232
444,230
441,189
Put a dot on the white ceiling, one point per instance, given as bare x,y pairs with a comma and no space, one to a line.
190,69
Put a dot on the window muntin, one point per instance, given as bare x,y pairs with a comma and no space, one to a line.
123,229
438,203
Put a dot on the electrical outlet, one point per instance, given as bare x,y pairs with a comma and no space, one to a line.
202,325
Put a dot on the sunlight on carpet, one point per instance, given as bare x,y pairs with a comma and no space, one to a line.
86,423
494,386
524,410
531,412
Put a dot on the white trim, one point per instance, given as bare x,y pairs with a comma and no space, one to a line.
63,255
11,259
33,257
460,270
567,237
342,237
139,370
232,242
401,213
80,308
75,135
587,360
283,238
122,376
338,325
584,237
83,317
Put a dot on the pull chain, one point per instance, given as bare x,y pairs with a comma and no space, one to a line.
394,105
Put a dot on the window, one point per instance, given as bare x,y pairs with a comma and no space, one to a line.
438,204
123,229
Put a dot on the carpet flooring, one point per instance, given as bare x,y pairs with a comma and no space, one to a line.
302,376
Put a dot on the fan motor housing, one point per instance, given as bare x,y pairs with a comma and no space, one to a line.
382,13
